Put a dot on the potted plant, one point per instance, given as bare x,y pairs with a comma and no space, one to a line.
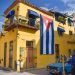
37,26
61,19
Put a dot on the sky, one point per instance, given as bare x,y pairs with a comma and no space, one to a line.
3,5
57,5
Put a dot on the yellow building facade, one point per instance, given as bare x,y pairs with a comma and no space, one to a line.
20,43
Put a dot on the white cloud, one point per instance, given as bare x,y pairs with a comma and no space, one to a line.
68,1
71,4
1,22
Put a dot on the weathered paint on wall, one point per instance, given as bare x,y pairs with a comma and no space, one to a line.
9,36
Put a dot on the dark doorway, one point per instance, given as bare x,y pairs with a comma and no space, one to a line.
5,53
57,51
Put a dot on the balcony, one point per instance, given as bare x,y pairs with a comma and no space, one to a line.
59,17
22,21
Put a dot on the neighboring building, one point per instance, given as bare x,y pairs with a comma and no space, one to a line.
20,39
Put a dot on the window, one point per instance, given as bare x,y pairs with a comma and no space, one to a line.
57,51
31,21
70,33
21,51
32,17
60,17
11,49
29,43
60,30
70,22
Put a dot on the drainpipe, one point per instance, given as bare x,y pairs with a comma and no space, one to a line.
18,62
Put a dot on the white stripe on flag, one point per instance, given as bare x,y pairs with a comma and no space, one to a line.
50,39
44,39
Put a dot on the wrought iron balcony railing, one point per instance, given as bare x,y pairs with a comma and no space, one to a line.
21,20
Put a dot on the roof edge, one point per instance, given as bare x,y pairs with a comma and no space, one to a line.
33,6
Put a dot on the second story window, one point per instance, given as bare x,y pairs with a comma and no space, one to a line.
60,31
70,22
60,17
10,16
32,17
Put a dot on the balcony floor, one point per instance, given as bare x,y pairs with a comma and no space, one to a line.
9,27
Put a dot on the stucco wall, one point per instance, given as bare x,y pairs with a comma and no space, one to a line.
9,36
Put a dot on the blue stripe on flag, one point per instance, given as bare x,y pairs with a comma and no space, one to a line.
47,42
41,35
52,50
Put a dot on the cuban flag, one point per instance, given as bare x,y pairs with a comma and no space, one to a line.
46,35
